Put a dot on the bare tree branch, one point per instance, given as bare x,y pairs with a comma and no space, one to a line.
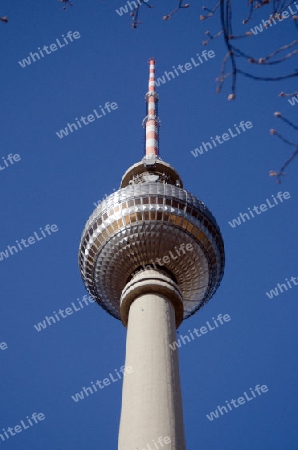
66,2
281,172
135,13
180,6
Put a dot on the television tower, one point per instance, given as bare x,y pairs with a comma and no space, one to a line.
151,254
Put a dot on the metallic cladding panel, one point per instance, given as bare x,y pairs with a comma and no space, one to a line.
140,223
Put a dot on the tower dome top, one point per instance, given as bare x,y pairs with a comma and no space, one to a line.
151,169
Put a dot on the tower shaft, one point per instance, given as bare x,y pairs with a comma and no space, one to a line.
151,396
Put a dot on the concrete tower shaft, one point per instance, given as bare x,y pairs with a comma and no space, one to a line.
151,396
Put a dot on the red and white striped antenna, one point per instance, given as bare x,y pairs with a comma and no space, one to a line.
151,121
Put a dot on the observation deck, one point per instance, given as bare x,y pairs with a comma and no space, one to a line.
145,221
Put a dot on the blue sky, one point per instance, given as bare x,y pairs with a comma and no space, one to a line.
56,181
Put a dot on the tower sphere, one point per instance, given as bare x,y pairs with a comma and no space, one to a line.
151,221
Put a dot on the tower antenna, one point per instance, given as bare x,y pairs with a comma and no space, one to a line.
151,121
